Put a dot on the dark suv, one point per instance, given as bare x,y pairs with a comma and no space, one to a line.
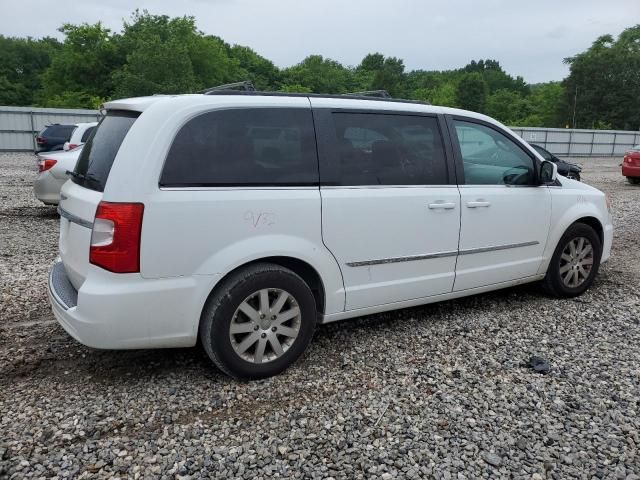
53,137
566,169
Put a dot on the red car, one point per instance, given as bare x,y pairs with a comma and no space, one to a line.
631,165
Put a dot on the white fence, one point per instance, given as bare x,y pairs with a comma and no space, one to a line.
580,143
20,125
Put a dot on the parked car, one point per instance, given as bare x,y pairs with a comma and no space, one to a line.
631,165
52,173
80,135
53,137
181,222
567,169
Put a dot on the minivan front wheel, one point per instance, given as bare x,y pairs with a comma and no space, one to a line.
575,262
258,321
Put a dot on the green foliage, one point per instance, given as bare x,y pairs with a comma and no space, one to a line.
508,106
471,92
379,73
295,88
160,54
169,55
318,74
84,64
262,72
74,99
603,86
22,61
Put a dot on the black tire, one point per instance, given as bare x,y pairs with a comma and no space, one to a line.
553,282
633,180
218,313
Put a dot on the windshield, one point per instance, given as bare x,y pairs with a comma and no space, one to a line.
96,159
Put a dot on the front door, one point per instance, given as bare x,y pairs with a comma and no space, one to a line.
390,209
504,215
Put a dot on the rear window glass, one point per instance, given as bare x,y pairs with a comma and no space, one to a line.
87,134
389,149
244,147
96,158
59,131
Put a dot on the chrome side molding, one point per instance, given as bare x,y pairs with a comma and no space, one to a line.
468,251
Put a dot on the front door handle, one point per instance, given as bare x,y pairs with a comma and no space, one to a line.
478,203
442,205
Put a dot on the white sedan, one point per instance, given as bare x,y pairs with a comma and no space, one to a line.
52,173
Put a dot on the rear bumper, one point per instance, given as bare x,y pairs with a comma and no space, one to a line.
46,188
630,170
112,311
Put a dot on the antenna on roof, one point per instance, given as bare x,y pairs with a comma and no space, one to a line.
245,86
371,93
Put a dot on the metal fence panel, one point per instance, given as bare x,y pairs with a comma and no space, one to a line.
20,125
580,142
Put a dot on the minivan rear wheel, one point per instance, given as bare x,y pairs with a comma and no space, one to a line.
258,321
575,262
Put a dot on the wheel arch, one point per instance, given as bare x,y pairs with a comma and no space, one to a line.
300,267
574,215
594,223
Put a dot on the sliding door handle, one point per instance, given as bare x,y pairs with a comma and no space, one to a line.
479,203
442,206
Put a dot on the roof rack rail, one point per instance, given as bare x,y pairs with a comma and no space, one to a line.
343,96
245,86
370,93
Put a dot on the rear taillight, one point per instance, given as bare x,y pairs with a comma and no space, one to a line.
40,140
115,239
45,164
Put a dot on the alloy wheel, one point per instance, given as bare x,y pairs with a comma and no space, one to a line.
576,262
265,325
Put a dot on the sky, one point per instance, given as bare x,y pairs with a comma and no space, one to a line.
528,38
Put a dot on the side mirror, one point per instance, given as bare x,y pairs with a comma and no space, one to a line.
548,173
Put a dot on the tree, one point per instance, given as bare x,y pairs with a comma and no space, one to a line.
170,55
471,92
82,67
318,74
161,54
262,72
22,62
603,85
544,100
376,72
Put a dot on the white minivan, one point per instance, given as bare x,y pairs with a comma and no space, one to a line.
244,219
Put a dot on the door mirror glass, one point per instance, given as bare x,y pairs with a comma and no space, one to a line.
548,172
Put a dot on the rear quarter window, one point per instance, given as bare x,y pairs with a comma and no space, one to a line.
244,147
87,134
98,154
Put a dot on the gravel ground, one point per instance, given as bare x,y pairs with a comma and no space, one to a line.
440,391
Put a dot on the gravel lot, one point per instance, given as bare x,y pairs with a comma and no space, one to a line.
440,391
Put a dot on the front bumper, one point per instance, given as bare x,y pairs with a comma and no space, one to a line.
608,241
126,311
630,170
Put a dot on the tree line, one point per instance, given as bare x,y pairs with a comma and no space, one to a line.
156,54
